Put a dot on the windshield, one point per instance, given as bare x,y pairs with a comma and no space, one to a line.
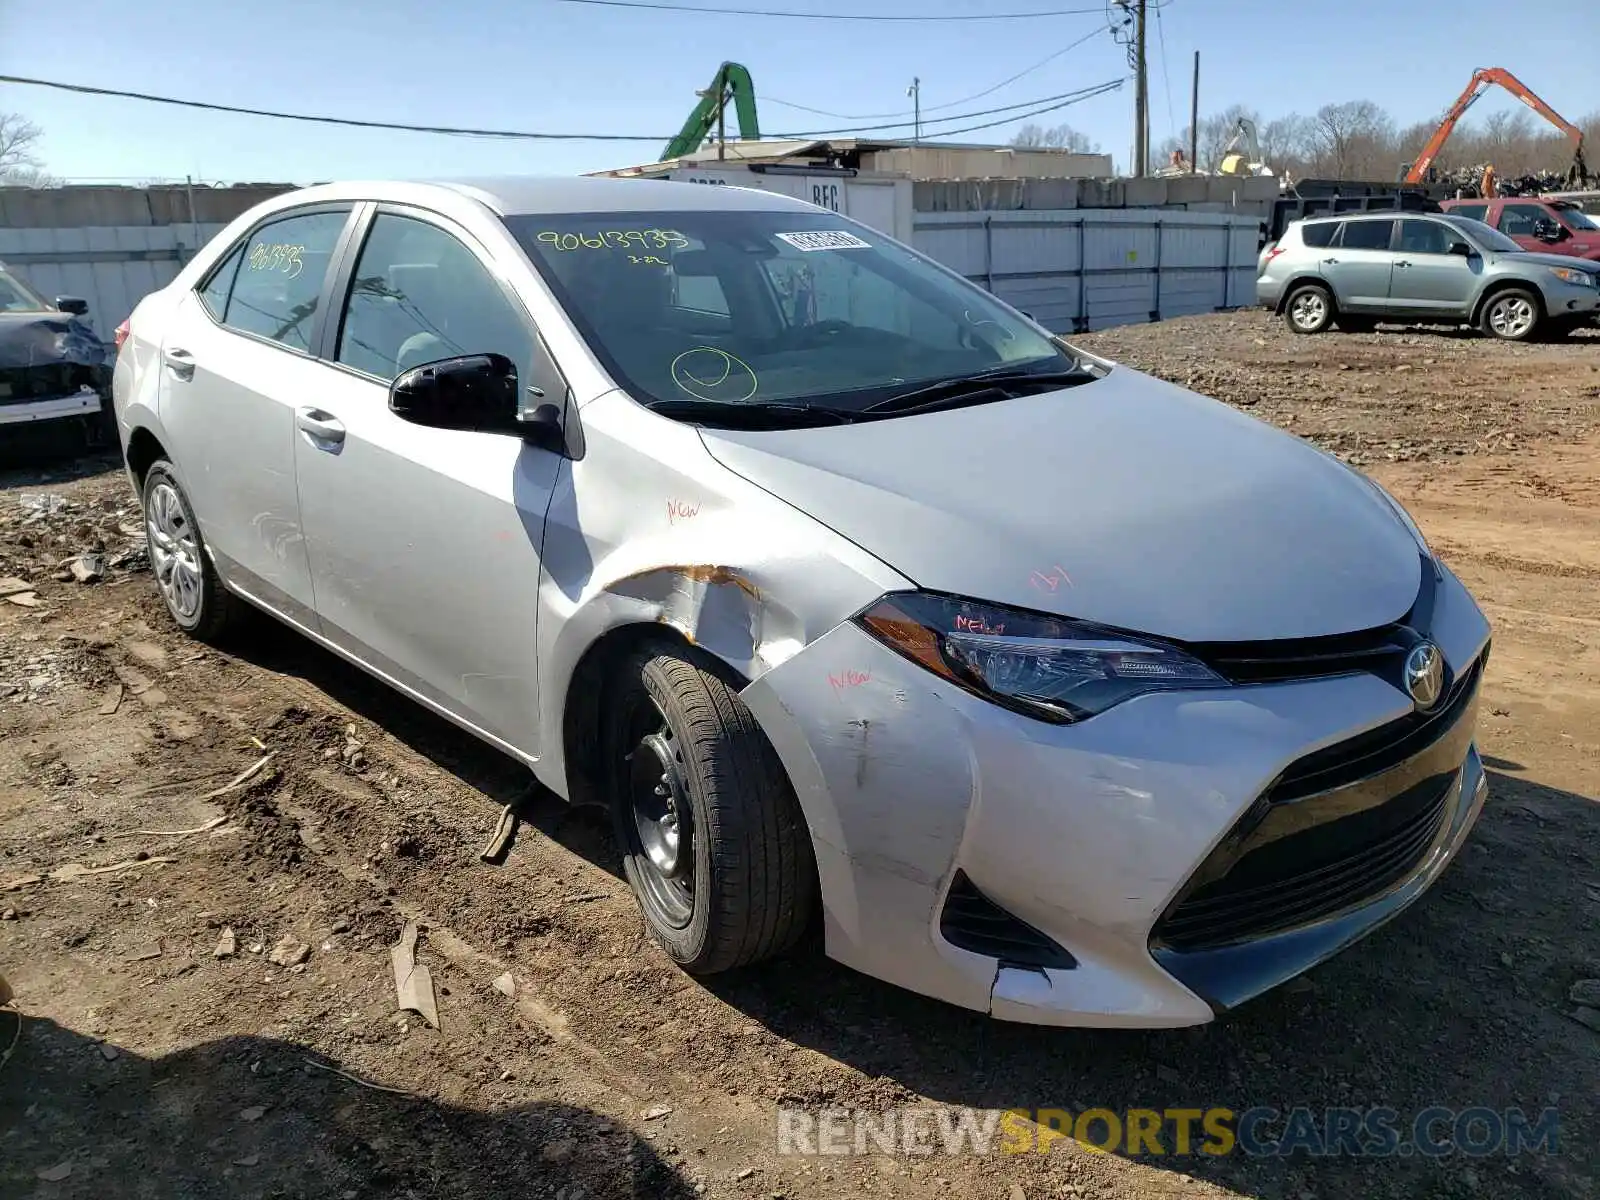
16,296
1578,219
750,308
1485,237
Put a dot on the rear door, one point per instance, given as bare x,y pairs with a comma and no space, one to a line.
1358,265
235,360
1428,279
424,543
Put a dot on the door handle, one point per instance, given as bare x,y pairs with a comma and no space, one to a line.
1402,263
1330,262
180,362
321,426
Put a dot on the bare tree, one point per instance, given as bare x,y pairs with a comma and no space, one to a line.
1352,140
18,138
1057,137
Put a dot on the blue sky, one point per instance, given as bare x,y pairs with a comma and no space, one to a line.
540,65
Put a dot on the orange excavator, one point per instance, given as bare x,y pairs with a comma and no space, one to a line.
1577,176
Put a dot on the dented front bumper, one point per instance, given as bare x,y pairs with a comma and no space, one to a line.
1088,833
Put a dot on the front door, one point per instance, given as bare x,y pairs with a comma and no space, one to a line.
236,359
1518,221
1359,265
1427,278
425,543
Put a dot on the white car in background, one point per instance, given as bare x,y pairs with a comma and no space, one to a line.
1056,691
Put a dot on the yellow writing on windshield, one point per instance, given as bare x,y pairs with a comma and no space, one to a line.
615,239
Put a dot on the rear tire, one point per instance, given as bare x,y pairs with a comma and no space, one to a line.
1513,315
185,575
713,842
1309,308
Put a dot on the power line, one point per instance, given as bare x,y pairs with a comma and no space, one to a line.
793,15
1051,102
1166,79
1045,61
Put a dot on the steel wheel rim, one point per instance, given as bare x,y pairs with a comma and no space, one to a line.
1308,310
1511,317
660,816
174,552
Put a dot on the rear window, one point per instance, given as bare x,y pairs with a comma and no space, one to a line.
1476,211
1367,235
1318,233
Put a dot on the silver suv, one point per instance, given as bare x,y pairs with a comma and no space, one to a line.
1354,271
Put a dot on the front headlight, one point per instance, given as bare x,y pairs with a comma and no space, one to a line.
1051,668
1574,276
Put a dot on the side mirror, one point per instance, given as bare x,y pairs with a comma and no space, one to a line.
71,304
475,393
1462,248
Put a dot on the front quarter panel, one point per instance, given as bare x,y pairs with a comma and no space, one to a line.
648,529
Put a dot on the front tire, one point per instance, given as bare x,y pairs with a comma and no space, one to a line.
1513,315
1309,308
712,838
185,575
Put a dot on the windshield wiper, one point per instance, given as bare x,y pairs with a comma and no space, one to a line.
760,414
973,389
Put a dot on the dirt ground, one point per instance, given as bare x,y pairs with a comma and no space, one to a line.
147,1066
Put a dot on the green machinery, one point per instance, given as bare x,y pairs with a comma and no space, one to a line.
732,82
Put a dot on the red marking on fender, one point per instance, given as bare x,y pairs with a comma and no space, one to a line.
1051,581
849,679
681,510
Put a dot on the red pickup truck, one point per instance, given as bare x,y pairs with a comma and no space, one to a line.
1544,226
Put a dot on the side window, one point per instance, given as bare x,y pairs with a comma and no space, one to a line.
279,282
1475,211
1516,220
215,294
1318,234
1424,237
1367,235
419,295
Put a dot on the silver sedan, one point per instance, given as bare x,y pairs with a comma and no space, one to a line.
1046,688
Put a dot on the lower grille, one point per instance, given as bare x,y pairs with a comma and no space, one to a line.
1306,876
973,922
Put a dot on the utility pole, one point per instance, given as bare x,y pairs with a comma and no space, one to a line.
915,92
1194,119
1141,96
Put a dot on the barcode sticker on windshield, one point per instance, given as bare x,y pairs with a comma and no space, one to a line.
826,239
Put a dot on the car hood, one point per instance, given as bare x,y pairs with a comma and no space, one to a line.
32,339
1127,501
1534,258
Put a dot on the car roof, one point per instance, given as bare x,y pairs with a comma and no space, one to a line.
510,196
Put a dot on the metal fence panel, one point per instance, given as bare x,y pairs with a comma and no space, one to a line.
1078,269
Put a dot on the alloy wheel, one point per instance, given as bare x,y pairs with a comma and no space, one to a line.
1512,316
174,552
1309,311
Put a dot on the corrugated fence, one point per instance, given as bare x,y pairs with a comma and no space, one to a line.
1080,269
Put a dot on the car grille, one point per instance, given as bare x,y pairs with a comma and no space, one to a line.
1337,828
1312,875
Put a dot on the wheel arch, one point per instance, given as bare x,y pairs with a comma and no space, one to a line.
587,692
1299,281
143,451
1495,287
